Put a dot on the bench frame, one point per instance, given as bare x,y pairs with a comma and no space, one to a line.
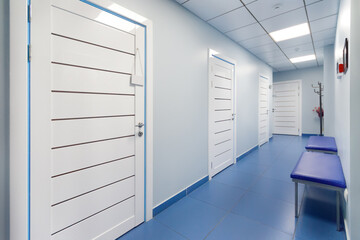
321,151
338,190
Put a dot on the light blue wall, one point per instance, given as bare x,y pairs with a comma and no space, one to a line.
4,123
181,42
308,76
329,91
355,119
342,99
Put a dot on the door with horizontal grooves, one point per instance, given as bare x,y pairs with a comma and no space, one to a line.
87,147
263,110
221,115
287,108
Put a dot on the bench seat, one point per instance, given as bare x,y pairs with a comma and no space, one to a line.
322,144
320,170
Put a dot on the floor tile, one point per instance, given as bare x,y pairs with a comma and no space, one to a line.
271,212
191,218
218,194
236,179
277,189
249,167
236,227
152,230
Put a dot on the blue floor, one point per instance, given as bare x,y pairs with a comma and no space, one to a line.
253,199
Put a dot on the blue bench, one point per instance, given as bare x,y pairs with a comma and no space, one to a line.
321,170
322,144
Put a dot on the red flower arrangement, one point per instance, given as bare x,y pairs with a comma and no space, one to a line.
317,110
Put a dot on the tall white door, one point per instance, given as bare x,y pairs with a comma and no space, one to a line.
87,147
263,110
287,108
221,115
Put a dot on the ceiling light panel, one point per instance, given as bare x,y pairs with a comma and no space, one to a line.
303,58
291,32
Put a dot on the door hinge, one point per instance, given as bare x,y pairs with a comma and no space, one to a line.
29,52
29,13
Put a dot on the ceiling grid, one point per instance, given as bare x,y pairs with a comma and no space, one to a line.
250,22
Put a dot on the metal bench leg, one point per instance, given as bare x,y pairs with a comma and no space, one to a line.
338,210
296,200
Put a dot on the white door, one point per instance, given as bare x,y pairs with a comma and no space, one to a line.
221,115
263,110
87,151
287,108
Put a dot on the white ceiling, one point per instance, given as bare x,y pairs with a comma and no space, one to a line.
249,22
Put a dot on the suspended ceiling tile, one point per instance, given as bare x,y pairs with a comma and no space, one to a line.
263,9
301,53
233,20
247,32
323,23
275,59
311,1
248,1
207,9
324,34
264,48
322,9
324,42
295,41
271,56
286,68
257,41
298,48
285,20
307,64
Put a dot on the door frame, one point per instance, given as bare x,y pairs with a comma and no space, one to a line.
214,54
299,81
20,31
268,105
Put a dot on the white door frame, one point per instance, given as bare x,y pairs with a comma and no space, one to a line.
300,101
268,119
214,54
20,111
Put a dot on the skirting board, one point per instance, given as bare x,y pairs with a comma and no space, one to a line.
167,203
346,230
241,156
309,134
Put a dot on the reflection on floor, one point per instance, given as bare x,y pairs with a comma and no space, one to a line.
253,199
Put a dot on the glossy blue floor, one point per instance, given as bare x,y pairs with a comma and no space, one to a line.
253,199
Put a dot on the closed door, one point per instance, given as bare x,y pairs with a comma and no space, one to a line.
287,108
221,115
87,143
263,110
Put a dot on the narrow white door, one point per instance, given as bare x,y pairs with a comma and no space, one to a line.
287,108
263,110
221,115
87,147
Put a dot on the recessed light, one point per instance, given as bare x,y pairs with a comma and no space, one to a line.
303,58
291,32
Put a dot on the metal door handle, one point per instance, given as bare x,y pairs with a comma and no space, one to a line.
140,125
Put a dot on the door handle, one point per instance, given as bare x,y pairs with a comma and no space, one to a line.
139,125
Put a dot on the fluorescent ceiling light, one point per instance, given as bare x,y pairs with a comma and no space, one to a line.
291,32
303,58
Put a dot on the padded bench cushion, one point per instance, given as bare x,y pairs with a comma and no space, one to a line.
322,144
320,168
